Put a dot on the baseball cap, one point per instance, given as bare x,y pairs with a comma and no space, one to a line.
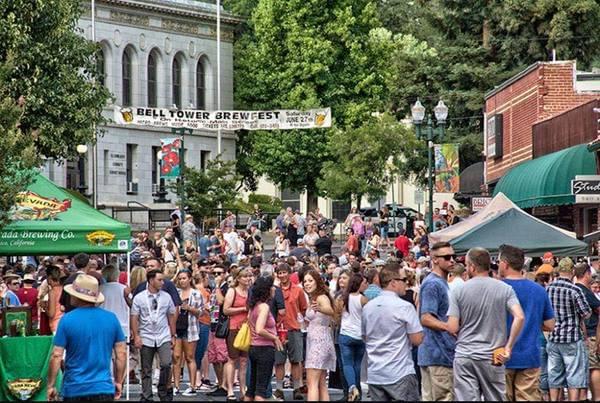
548,255
544,269
565,265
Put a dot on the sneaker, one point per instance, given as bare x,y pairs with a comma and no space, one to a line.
175,391
353,394
204,387
189,392
287,383
298,394
207,382
278,394
219,392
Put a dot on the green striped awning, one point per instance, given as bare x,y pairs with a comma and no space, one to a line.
546,181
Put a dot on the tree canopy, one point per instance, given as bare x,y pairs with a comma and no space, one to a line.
49,100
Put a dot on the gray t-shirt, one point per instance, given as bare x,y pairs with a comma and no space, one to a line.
481,305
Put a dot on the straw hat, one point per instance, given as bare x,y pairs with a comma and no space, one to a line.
85,288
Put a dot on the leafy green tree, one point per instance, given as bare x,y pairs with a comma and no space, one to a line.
205,190
306,54
363,159
18,154
478,44
53,69
49,101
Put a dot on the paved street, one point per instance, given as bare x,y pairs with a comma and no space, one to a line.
136,393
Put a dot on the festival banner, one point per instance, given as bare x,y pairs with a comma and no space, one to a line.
446,168
170,150
223,120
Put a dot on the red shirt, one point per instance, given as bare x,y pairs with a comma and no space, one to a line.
29,296
402,243
123,278
352,243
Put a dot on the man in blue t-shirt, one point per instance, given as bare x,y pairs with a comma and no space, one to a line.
523,369
89,335
436,353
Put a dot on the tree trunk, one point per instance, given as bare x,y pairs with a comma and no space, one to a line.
486,34
312,200
358,200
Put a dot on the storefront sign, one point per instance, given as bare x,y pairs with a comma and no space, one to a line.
586,188
545,211
479,203
224,120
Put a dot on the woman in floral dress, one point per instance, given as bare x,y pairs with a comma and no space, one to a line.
320,351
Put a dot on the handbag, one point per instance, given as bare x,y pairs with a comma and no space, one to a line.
222,329
242,339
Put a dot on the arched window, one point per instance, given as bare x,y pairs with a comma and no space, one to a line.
200,86
176,74
100,66
152,101
127,76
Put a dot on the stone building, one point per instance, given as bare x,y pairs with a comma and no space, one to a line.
158,53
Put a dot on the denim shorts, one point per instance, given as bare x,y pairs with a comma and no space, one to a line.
567,365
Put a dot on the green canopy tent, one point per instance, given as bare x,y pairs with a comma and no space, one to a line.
47,220
516,227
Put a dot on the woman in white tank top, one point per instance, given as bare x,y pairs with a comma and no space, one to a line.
352,347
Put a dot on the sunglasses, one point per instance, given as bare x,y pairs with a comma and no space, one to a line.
155,304
217,272
403,279
447,257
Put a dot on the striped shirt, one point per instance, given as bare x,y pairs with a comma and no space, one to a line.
195,301
570,306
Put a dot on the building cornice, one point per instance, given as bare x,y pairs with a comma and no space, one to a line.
178,9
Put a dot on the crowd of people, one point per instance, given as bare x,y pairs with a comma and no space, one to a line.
428,324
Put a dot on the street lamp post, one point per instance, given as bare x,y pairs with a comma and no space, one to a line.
82,149
431,133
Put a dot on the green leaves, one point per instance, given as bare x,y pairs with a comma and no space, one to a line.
205,190
53,68
48,100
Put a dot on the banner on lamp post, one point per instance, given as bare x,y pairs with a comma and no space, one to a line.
223,120
170,164
446,168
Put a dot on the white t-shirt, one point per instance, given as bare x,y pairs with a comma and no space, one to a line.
232,245
352,318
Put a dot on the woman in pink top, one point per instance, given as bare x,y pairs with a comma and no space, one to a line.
264,340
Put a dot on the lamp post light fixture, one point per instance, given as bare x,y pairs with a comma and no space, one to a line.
82,150
430,134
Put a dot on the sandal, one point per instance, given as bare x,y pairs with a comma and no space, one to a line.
231,398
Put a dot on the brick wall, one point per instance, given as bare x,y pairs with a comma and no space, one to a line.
544,90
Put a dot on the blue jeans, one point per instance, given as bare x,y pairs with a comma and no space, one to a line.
352,351
203,332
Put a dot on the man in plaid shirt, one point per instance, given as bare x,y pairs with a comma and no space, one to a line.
567,356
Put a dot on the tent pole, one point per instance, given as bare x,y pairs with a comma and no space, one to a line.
129,327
